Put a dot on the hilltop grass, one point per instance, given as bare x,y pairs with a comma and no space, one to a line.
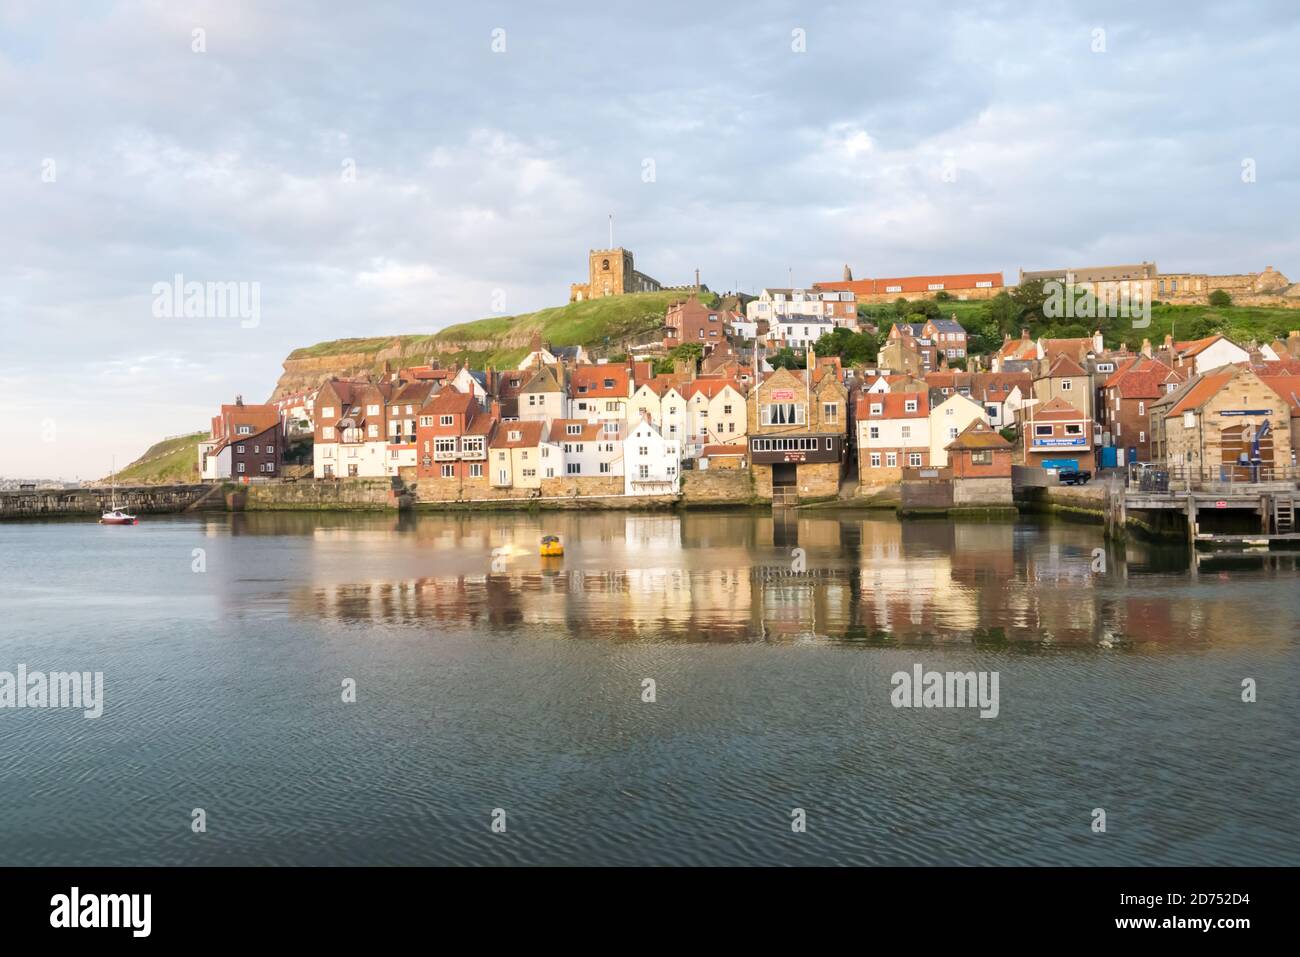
170,461
577,323
614,319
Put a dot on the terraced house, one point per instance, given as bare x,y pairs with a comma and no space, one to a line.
599,393
351,435
453,433
893,433
246,442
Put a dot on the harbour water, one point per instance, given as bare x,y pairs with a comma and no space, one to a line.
490,679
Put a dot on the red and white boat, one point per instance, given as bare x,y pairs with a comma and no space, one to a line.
115,515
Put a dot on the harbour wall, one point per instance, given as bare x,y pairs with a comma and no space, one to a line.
136,499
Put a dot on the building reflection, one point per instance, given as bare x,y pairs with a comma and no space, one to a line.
746,576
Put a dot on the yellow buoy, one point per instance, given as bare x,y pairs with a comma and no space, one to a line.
551,546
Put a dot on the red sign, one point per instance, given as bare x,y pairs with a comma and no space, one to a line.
1221,504
782,395
795,457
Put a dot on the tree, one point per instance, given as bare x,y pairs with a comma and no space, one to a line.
1030,296
1220,299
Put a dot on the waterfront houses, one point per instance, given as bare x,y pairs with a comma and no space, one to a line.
351,435
452,432
798,428
579,448
403,417
245,442
541,397
893,433
651,463
515,455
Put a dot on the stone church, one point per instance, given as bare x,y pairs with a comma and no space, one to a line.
611,273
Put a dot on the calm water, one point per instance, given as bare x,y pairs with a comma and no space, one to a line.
520,688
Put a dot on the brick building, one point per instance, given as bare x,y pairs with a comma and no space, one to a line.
246,442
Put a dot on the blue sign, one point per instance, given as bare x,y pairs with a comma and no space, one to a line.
1246,412
1077,441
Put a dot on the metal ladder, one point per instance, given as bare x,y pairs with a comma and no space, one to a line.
1283,515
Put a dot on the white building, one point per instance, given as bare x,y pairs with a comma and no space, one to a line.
652,464
775,305
798,334
575,447
948,420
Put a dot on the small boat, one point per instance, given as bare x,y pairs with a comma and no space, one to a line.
115,515
551,546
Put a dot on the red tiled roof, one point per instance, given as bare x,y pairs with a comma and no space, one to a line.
1200,393
869,287
1286,386
450,401
893,405
710,387
978,435
591,431
530,434
593,379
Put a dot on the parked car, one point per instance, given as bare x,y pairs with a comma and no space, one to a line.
1074,476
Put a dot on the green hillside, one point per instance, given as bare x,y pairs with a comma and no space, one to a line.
171,460
605,325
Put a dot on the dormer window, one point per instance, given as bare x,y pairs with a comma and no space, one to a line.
876,408
515,436
573,430
909,405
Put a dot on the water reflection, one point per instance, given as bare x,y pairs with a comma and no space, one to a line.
750,576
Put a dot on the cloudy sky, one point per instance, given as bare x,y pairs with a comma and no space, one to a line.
386,167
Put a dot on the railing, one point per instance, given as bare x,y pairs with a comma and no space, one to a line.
1142,477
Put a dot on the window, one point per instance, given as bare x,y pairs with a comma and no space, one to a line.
907,432
1142,407
573,468
327,412
1066,385
245,430
643,450
891,459
426,420
257,449
445,420
914,459
875,460
475,469
515,436
981,457
573,430
502,476
643,471
448,471
876,408
1042,430
783,413
604,467
726,410
327,432
874,432
239,467
909,405
445,446
1073,428
1142,436
501,456
239,448
372,430
830,412
372,410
